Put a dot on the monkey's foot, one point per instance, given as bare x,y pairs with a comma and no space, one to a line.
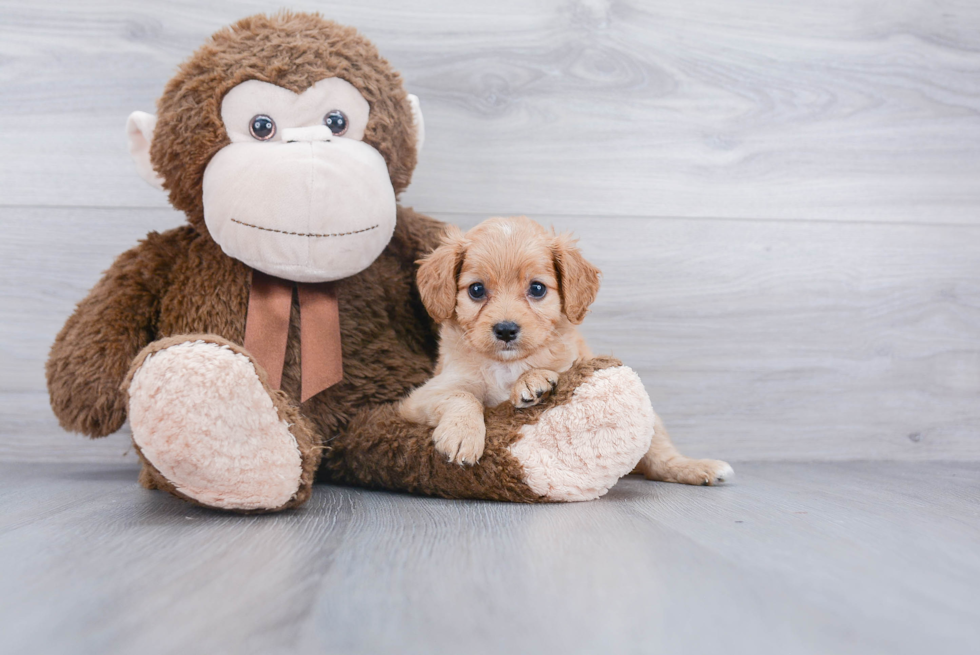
578,449
212,431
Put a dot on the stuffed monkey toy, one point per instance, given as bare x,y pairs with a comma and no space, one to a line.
263,344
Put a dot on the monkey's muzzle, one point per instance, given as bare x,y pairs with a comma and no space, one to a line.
309,208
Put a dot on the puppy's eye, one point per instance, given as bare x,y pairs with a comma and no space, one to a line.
477,291
336,120
537,290
262,127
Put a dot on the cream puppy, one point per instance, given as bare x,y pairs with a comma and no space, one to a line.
508,295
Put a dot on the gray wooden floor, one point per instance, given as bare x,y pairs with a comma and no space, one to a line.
859,557
784,198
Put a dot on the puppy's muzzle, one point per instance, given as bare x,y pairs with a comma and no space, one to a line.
506,331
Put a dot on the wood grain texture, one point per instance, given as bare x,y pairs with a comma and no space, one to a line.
755,339
792,558
845,110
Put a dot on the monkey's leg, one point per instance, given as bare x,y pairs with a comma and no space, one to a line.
574,445
662,462
209,429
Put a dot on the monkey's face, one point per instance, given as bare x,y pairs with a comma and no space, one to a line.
297,193
286,139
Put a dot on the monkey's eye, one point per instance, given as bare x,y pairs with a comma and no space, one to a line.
477,291
336,120
537,290
262,127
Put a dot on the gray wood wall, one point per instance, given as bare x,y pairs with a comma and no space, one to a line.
784,196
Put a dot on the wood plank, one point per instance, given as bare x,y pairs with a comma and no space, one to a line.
835,111
792,558
756,339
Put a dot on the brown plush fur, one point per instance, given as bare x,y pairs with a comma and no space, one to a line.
180,282
179,285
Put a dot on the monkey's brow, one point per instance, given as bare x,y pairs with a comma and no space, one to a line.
304,234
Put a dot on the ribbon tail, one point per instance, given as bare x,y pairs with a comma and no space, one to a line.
267,323
319,324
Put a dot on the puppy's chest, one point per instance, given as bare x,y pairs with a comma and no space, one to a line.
500,379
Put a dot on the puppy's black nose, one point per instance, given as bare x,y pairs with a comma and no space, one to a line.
506,331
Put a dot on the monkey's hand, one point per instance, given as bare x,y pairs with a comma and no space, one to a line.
93,351
532,387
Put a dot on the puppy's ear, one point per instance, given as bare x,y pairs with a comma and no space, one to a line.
438,273
578,280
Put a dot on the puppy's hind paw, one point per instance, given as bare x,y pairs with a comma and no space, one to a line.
721,472
532,387
703,472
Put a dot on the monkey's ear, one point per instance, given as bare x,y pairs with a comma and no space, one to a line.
438,274
139,134
419,123
578,280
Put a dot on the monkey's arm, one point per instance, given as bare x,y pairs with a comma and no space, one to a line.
93,351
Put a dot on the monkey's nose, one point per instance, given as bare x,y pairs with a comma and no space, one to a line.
312,133
506,331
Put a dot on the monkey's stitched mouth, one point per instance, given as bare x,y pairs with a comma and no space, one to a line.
305,234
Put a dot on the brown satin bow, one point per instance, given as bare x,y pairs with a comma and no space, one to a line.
267,331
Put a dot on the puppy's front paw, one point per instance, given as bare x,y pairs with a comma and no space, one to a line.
461,438
532,387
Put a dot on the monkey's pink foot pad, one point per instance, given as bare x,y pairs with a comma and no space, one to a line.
201,416
581,448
